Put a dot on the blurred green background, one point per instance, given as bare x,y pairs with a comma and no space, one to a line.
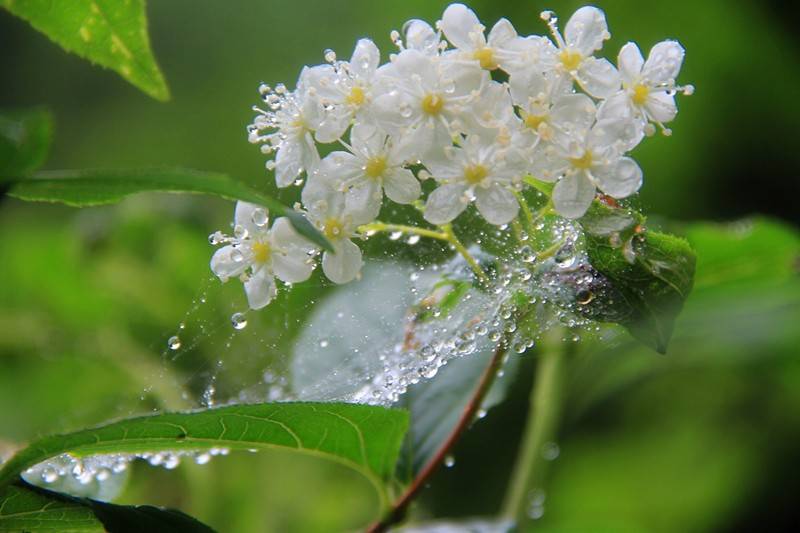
704,439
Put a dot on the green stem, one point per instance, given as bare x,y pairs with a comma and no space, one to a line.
460,248
540,429
446,234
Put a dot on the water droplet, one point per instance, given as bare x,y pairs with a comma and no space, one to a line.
202,458
260,217
550,451
49,475
238,321
323,343
240,232
330,55
395,235
449,460
481,413
174,342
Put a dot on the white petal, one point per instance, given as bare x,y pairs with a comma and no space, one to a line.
288,163
586,30
366,58
598,77
497,204
344,265
260,289
290,259
445,203
618,105
574,114
630,62
619,180
363,201
525,85
573,195
663,63
225,264
661,106
245,214
461,27
421,37
333,125
547,164
502,34
401,186
614,135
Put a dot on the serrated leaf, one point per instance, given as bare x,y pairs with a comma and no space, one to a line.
31,509
651,273
85,188
111,33
24,141
366,438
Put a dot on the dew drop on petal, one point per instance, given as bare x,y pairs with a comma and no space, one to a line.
174,342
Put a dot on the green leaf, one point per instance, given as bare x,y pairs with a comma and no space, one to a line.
366,438
650,273
31,509
24,141
84,188
111,33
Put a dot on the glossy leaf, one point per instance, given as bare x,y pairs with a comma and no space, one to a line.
111,33
27,508
84,188
24,141
364,437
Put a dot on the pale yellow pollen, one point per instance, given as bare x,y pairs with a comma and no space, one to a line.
640,94
432,104
474,174
375,167
261,252
356,96
570,60
584,162
485,57
533,121
333,229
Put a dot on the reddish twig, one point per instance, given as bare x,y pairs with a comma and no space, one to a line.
399,507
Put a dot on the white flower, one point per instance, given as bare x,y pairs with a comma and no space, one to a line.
257,254
286,128
337,219
485,173
375,166
583,36
503,49
648,88
344,90
547,105
425,99
587,160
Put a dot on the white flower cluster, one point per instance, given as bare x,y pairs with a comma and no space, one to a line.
437,110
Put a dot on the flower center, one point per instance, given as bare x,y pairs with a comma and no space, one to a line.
432,104
333,229
584,162
485,57
375,167
640,94
533,121
356,96
570,60
474,174
261,252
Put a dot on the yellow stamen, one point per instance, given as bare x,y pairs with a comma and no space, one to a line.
640,94
533,121
474,174
570,60
485,57
432,104
333,229
356,96
375,167
584,162
261,252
